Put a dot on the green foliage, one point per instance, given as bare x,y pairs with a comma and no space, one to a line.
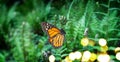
23,47
20,28
37,15
2,58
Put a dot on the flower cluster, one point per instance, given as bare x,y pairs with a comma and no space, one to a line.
88,56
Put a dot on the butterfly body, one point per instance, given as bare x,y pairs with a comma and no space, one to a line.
56,36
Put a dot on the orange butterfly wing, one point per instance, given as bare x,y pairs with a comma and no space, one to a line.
56,36
53,31
58,40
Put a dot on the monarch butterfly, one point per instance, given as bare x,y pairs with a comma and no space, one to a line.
56,36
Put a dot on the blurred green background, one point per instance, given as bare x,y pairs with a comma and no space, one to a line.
22,39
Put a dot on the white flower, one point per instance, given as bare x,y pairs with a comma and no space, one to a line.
86,56
72,56
103,58
51,58
77,55
102,42
118,56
